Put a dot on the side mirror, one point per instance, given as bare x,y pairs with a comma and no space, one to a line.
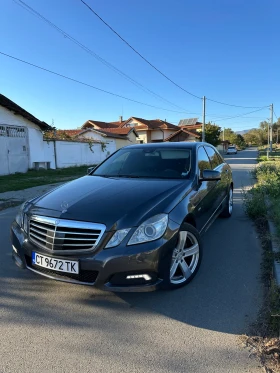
210,175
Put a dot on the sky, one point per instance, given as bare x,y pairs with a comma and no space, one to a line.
225,50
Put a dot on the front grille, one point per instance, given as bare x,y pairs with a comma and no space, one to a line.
84,276
64,236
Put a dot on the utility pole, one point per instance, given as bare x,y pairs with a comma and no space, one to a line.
267,149
277,135
271,124
224,134
203,117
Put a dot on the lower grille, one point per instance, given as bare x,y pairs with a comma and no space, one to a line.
64,236
84,276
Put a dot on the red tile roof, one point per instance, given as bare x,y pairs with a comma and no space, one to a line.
198,125
102,125
180,131
120,131
118,123
152,124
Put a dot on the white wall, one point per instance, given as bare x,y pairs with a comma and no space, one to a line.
49,153
93,135
142,137
157,135
69,153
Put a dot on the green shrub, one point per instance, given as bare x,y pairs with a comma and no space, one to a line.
254,202
268,175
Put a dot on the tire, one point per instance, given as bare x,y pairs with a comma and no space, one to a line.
180,266
227,211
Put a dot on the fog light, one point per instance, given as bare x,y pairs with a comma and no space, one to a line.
15,250
145,277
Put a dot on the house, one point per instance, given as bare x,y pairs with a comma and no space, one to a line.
184,135
21,139
191,124
102,125
154,130
121,136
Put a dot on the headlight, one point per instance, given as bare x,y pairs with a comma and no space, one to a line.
117,238
20,217
150,230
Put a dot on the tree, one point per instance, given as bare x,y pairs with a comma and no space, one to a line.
212,134
226,133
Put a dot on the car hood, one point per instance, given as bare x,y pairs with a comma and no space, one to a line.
116,202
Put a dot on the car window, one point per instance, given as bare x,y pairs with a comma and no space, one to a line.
147,162
214,158
202,160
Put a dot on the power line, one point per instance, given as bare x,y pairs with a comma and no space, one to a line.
237,116
223,103
154,67
275,114
139,54
86,84
95,55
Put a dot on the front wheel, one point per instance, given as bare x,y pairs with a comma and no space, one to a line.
185,258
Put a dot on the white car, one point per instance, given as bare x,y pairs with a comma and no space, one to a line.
232,150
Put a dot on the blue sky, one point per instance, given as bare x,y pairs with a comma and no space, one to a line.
226,50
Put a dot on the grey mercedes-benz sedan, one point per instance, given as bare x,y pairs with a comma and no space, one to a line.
134,223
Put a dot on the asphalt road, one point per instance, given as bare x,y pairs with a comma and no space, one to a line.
47,326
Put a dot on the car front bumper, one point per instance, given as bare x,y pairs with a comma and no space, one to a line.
106,269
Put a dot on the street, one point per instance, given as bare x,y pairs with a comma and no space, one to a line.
47,326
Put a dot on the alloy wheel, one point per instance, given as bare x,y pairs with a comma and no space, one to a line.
185,258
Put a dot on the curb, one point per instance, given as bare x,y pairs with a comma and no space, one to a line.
275,249
275,244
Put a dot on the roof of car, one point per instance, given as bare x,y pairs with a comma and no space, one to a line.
181,144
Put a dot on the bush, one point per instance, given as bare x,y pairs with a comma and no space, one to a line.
268,175
254,202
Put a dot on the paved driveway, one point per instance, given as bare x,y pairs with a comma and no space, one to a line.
48,326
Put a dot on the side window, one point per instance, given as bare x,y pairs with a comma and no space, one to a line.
214,158
202,160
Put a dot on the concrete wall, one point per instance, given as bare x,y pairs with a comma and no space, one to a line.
70,153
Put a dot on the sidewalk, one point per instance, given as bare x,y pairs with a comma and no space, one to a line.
13,198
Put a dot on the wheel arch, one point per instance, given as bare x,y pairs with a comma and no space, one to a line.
190,220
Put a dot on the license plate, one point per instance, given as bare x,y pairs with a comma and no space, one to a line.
61,265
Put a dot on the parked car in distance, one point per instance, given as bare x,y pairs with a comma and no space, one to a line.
133,224
231,150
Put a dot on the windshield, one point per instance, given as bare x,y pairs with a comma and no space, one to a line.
147,163
231,147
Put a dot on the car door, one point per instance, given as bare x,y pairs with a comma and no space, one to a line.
218,164
203,200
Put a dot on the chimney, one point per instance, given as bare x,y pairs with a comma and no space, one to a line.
121,118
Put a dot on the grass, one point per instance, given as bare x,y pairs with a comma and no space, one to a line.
34,178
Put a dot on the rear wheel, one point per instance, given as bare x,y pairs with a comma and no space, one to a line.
185,259
227,211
